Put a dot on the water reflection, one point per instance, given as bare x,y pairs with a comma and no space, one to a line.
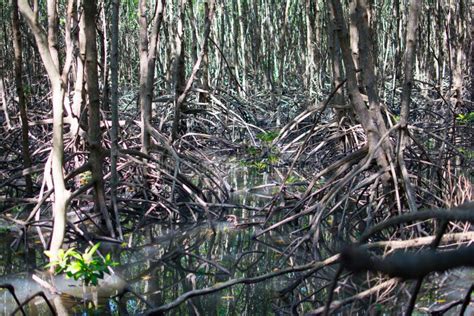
200,258
161,262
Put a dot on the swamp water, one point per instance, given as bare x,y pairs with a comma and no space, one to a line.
166,261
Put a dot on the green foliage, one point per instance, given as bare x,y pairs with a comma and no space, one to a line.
268,137
430,144
465,118
292,179
273,158
86,267
85,177
254,151
468,154
264,156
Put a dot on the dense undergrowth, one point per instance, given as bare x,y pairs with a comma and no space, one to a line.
327,186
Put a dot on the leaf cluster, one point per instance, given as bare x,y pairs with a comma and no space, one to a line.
86,266
465,118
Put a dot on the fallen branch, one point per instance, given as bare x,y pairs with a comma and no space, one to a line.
407,265
462,213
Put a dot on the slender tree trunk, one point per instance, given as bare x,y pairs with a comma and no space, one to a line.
309,47
103,57
94,134
147,65
409,61
49,54
204,97
114,107
354,38
235,45
25,144
458,49
3,96
179,73
243,44
471,54
337,70
78,96
282,44
145,106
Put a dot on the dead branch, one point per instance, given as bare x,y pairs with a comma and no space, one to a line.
407,265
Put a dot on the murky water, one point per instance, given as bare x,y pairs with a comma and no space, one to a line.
161,262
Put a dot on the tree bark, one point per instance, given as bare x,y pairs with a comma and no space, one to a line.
17,47
94,133
179,74
114,108
147,48
368,122
48,52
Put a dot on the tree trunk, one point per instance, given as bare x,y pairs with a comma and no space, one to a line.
367,119
179,74
114,108
48,52
204,97
337,70
147,65
94,134
243,45
309,47
25,144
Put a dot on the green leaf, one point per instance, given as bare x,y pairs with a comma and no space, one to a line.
91,251
74,267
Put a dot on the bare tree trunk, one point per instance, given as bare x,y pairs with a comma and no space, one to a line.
47,48
105,65
94,135
243,45
78,96
309,47
145,105
25,144
4,100
409,61
179,74
282,44
73,109
235,46
114,63
367,120
471,53
458,56
204,97
410,53
354,38
147,65
337,70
